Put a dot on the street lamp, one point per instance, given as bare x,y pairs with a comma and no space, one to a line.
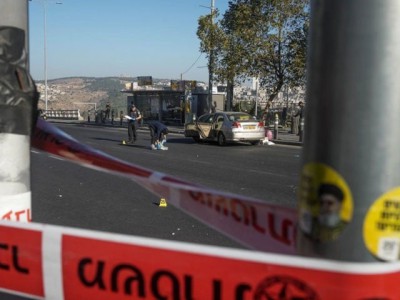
45,48
44,3
211,58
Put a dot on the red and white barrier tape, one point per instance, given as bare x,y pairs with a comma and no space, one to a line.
51,262
256,224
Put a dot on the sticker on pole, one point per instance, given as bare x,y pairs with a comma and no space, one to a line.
382,226
326,203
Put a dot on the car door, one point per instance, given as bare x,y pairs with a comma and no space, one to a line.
190,126
204,126
218,121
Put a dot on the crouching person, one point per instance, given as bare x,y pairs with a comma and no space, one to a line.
158,133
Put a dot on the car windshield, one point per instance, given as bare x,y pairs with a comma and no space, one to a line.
239,117
206,119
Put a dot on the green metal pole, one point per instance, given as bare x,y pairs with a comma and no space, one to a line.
349,191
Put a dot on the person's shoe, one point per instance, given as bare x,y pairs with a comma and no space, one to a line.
153,147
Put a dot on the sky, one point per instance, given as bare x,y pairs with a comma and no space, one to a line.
102,38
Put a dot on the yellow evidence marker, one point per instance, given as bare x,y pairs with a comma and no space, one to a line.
163,202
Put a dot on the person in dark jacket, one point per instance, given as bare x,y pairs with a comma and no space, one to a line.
297,118
133,119
158,133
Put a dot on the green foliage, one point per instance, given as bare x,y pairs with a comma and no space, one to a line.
236,107
258,38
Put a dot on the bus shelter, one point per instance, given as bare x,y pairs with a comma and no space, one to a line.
167,106
162,105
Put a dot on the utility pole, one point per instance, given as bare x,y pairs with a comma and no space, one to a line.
45,51
15,13
45,3
211,60
349,195
18,107
256,109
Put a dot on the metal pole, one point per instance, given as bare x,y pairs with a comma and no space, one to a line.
256,112
211,62
45,50
45,3
9,9
7,14
18,106
348,194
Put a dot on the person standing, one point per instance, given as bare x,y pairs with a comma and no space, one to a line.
214,107
134,117
121,117
266,116
284,115
297,118
107,112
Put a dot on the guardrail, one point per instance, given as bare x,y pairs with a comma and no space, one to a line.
67,114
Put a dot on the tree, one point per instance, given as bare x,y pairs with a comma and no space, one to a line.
223,50
279,54
208,33
259,38
241,22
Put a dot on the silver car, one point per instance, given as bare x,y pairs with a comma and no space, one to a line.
225,127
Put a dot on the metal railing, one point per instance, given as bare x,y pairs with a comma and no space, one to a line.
67,114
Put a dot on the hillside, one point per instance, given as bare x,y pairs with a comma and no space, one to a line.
82,92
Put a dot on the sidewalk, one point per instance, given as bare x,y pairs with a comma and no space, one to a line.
283,138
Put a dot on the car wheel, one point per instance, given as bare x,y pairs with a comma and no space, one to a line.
196,139
221,139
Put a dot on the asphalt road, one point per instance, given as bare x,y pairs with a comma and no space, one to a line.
67,194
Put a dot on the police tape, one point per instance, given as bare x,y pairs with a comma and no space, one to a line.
253,223
52,262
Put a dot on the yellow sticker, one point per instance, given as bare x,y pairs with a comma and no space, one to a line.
325,202
382,226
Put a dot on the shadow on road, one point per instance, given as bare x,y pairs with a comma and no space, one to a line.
180,141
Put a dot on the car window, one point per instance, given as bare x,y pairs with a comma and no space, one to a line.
239,117
206,118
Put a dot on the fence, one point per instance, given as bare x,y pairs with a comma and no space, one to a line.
68,114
